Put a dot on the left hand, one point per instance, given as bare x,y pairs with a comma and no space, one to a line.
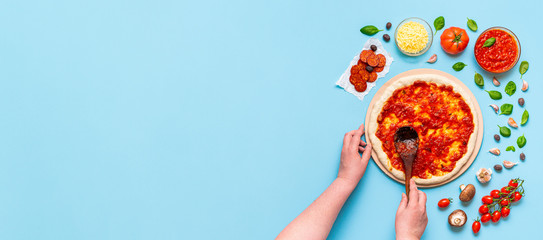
352,165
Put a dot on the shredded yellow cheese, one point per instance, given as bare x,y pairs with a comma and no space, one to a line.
412,37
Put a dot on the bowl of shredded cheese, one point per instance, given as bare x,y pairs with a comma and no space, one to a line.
413,36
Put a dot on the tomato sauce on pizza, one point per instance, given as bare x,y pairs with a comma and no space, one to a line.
442,119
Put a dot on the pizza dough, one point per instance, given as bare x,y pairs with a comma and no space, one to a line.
377,144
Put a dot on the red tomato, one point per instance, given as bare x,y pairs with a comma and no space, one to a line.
496,216
444,202
513,183
487,200
505,191
454,40
495,193
483,209
516,196
476,226
504,202
486,217
505,212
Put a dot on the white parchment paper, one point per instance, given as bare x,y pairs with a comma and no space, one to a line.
344,79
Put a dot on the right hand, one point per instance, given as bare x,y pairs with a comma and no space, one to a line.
411,218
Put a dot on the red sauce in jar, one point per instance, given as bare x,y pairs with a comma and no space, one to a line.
442,120
499,57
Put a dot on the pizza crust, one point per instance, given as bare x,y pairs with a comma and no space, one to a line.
377,144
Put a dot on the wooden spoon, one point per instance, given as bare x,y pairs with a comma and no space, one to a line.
406,142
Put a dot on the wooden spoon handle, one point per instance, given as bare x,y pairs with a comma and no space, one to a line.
408,170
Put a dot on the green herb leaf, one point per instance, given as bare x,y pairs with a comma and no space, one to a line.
479,79
494,94
524,65
510,148
525,117
489,42
506,109
505,131
370,30
521,141
510,88
439,23
458,66
472,25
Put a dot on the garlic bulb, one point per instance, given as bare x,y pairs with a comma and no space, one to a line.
484,175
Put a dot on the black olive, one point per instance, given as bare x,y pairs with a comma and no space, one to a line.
522,156
386,37
521,102
369,68
498,167
389,25
497,137
373,48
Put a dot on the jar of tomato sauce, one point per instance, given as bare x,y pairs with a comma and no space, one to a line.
502,55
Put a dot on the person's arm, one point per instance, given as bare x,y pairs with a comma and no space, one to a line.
411,218
316,221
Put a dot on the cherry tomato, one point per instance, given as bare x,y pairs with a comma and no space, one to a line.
517,196
495,193
486,217
444,202
496,216
504,202
483,209
487,200
505,191
476,226
505,211
454,40
513,183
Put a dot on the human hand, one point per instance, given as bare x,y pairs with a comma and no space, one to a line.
352,166
411,218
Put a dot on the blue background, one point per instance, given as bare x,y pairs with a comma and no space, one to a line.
221,119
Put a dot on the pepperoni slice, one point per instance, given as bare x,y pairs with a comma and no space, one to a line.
364,55
373,61
382,60
355,69
378,69
365,75
373,77
355,78
361,86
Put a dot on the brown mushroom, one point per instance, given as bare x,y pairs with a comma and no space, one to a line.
457,218
468,192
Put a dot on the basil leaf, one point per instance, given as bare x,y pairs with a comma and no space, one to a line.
506,109
458,66
510,148
479,79
494,94
472,25
439,23
370,30
489,42
505,131
510,88
521,141
525,117
524,65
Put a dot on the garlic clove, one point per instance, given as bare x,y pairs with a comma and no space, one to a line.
432,59
496,82
508,164
524,86
484,175
512,123
495,107
495,151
